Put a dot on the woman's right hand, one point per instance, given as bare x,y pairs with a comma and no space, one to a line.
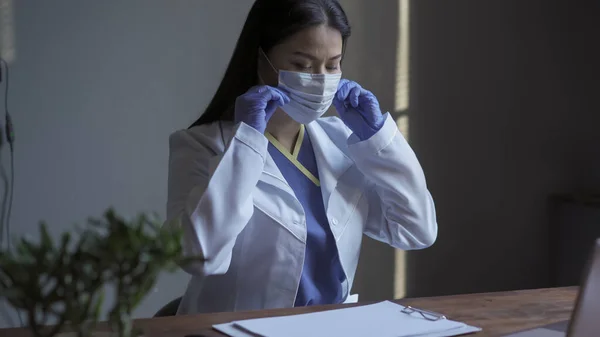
258,104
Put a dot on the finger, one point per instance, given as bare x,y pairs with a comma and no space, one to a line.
343,82
353,96
277,99
339,106
344,90
257,89
367,99
270,110
267,94
285,99
271,107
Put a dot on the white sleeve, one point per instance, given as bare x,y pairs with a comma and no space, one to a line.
401,209
210,196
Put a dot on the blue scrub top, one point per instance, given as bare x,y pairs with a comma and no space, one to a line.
322,274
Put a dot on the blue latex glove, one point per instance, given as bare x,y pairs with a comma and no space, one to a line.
257,105
359,109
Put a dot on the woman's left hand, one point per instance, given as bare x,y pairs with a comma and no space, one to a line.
358,108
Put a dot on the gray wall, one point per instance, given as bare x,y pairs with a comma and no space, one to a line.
505,111
96,88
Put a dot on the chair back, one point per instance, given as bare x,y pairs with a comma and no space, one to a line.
170,309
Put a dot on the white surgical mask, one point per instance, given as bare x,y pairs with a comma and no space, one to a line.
311,95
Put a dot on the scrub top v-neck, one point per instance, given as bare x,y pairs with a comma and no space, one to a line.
322,274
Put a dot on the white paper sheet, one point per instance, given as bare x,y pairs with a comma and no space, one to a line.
384,319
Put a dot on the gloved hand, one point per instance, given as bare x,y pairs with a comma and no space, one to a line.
257,105
358,108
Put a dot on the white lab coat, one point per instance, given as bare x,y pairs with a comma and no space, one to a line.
238,212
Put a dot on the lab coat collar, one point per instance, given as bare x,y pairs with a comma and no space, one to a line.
332,162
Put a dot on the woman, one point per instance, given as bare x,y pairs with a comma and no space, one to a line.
275,198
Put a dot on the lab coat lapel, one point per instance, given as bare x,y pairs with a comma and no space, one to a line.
292,216
273,176
331,161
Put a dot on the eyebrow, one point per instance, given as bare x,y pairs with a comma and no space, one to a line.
311,57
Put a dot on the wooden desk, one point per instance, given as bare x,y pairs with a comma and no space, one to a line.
497,313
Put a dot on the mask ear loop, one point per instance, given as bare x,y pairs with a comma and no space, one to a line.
270,64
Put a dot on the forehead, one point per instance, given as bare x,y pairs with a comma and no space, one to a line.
320,41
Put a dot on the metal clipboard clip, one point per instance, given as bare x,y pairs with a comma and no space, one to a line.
428,315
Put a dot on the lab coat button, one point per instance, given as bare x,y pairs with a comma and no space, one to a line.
334,221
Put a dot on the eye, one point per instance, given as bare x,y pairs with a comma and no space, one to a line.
301,66
333,65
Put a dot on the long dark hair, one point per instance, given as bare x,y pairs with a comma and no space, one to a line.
269,22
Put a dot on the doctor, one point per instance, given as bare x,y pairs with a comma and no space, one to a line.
276,198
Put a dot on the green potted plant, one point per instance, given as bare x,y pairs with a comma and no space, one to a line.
65,280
